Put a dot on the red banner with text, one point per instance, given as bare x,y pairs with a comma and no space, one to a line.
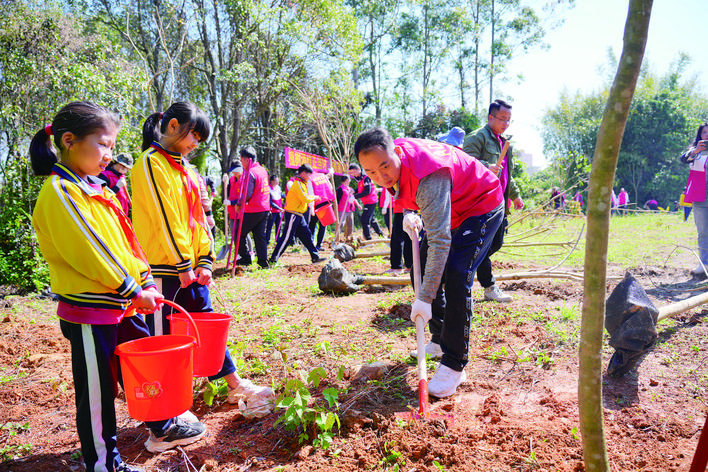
295,158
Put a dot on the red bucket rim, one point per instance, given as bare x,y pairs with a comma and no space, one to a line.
180,341
203,316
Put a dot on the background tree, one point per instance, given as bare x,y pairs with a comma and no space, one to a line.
663,118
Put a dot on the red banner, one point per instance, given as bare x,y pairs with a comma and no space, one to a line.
295,158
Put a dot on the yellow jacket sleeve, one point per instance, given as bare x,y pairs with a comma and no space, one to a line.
84,244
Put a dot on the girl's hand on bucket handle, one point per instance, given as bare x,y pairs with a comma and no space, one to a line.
203,275
147,301
186,278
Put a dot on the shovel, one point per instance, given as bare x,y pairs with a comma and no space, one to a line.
424,410
420,339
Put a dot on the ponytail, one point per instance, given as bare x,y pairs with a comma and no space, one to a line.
42,155
188,115
79,118
151,130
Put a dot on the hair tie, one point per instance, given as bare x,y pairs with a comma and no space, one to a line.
48,130
162,114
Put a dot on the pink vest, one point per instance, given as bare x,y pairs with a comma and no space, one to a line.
260,200
696,184
346,203
321,187
276,192
371,197
234,193
475,189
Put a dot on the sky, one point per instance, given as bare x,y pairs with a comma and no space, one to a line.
579,47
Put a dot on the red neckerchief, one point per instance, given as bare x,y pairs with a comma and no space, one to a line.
196,212
125,224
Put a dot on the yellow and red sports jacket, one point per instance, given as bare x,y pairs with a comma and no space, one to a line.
167,213
91,260
298,198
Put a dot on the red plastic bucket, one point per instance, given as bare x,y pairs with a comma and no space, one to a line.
157,376
326,214
209,356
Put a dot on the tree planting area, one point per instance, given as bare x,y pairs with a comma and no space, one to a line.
518,410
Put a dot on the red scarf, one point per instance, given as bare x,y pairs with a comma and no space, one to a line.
123,219
196,212
125,224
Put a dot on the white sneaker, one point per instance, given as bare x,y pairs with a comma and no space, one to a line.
248,391
698,271
431,349
188,417
445,381
496,294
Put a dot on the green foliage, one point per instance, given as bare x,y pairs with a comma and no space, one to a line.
663,119
9,452
313,417
21,264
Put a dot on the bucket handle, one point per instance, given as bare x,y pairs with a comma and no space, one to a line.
189,317
181,310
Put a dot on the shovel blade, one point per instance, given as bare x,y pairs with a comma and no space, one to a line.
222,252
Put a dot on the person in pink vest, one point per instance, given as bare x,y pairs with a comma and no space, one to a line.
401,249
366,192
461,204
233,190
346,206
386,205
257,208
115,178
697,156
323,189
622,200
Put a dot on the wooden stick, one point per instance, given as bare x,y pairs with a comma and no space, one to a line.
503,153
373,280
673,309
373,241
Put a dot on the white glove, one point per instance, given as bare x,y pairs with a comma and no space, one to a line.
121,182
412,224
422,309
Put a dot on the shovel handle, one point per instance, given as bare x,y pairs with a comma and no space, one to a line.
420,335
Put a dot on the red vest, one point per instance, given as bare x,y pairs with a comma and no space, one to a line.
371,197
260,200
475,189
321,187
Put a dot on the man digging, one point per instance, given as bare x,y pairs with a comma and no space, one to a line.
461,204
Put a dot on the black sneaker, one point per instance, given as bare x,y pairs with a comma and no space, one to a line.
318,259
123,467
180,433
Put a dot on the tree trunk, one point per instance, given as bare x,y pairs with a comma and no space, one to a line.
491,58
603,172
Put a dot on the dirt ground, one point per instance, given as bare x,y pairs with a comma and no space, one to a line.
518,410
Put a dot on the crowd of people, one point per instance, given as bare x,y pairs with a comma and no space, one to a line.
107,251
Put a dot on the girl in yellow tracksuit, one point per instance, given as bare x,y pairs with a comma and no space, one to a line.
293,224
171,226
96,268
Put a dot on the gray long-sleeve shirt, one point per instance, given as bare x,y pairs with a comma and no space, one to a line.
433,199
